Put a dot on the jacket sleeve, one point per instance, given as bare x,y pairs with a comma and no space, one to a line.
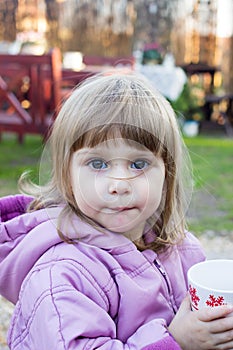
74,314
12,227
12,206
166,343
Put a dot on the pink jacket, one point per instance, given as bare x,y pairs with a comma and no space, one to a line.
98,293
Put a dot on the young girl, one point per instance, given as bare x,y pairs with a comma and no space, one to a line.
97,257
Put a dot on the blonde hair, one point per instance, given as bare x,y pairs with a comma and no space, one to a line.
103,107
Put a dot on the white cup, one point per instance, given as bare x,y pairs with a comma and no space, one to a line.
211,283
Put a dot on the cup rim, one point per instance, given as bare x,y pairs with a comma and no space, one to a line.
213,261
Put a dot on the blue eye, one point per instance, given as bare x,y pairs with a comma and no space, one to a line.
98,164
139,164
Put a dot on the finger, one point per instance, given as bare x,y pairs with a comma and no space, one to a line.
225,346
185,305
224,340
209,314
221,325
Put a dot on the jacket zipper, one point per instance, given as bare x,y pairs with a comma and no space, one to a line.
163,273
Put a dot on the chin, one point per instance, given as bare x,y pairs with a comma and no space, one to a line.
127,231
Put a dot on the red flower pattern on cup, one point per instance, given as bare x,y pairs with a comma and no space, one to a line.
194,297
213,301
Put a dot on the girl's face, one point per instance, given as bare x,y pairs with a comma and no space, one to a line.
118,185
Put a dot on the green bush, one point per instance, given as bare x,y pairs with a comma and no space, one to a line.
188,105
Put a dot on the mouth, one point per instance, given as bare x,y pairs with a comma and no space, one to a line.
119,209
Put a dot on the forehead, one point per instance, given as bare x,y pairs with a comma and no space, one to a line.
115,148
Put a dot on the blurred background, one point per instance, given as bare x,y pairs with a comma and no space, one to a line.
194,31
194,35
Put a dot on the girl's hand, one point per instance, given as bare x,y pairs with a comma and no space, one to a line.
207,328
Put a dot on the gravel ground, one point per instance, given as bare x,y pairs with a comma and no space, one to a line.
5,314
216,245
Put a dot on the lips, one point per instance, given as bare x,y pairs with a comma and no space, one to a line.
120,209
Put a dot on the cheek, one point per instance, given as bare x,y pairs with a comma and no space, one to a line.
85,200
153,190
156,194
86,191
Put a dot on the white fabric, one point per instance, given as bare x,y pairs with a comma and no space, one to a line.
168,79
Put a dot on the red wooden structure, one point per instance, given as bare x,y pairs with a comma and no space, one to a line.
32,88
29,92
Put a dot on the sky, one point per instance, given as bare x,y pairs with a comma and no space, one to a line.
225,18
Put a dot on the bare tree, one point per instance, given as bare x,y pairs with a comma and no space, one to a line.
103,27
52,16
230,87
154,22
8,11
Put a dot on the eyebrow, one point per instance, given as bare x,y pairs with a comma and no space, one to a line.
92,152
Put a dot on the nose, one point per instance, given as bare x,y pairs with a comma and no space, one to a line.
119,186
